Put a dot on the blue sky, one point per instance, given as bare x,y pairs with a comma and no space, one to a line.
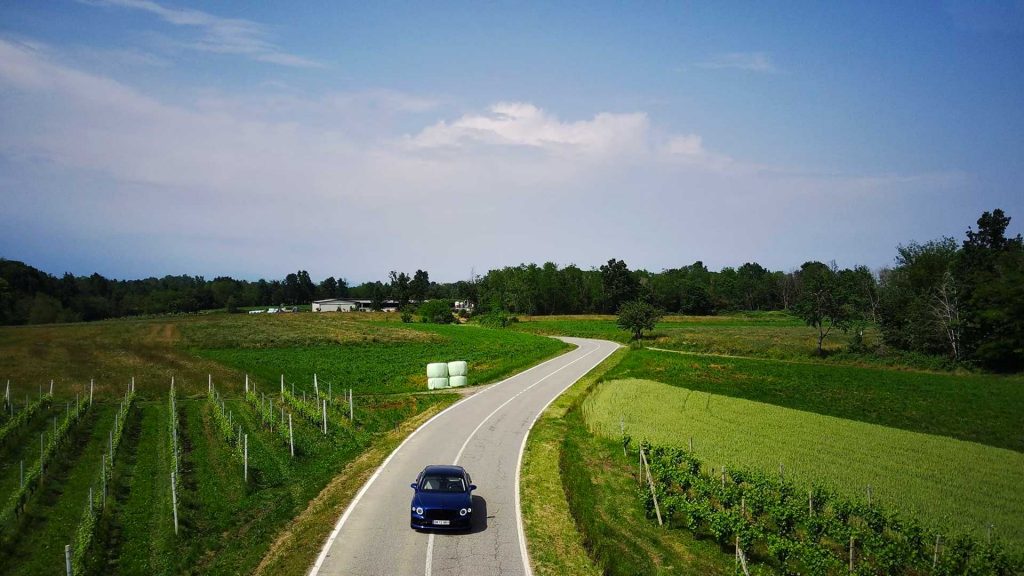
252,139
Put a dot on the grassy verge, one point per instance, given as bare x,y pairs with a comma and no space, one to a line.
554,543
950,484
979,408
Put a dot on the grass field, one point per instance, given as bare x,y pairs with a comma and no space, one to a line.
951,483
977,407
227,526
392,366
772,335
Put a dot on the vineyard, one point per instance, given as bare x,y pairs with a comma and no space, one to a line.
182,471
960,486
797,530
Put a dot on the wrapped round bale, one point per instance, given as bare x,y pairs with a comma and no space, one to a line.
437,370
436,383
458,368
455,381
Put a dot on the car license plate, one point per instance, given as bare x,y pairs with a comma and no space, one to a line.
442,522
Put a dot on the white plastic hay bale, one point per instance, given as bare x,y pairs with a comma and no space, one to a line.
456,381
437,370
458,368
436,383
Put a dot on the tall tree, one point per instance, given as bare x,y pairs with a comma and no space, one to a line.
991,271
618,284
400,288
825,301
419,285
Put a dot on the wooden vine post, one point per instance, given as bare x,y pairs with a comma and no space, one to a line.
650,481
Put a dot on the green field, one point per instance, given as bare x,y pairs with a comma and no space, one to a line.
770,335
976,407
226,525
951,483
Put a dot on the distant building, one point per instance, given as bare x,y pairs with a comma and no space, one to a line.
460,305
336,305
352,305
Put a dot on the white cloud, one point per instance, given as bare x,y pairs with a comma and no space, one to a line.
688,145
747,61
523,124
218,35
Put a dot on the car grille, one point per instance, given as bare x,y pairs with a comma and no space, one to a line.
441,514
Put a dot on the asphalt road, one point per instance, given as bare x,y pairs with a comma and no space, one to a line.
485,434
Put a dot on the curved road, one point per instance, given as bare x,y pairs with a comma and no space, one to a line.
485,433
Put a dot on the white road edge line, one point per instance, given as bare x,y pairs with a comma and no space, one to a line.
527,569
430,541
315,570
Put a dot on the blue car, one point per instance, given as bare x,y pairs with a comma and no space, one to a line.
443,499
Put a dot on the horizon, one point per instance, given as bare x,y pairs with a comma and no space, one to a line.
145,137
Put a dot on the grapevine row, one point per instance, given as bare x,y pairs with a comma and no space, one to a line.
20,418
812,532
94,506
269,417
35,472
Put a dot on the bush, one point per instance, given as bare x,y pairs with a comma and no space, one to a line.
437,312
407,314
495,319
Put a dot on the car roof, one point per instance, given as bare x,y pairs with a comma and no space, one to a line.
443,469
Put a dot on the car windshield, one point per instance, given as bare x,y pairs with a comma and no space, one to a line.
439,483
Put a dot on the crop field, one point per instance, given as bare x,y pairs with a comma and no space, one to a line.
981,408
954,484
236,484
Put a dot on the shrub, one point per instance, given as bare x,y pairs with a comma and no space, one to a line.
437,312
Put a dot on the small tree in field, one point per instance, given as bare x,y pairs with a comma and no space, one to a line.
637,316
825,301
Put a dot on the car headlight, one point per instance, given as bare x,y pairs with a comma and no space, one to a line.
463,512
418,510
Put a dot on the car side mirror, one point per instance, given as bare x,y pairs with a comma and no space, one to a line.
413,485
472,487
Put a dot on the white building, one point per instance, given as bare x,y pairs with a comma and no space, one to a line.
335,305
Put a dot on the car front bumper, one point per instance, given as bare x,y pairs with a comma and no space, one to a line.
457,522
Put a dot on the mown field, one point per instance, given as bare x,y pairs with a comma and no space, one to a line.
960,486
227,524
981,408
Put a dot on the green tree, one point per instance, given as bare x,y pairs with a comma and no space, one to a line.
825,301
618,284
400,288
991,273
419,285
637,316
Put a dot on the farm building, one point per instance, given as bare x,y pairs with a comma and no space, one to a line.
335,305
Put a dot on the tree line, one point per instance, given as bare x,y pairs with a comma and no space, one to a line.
962,299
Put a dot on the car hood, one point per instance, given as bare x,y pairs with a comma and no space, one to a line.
449,500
